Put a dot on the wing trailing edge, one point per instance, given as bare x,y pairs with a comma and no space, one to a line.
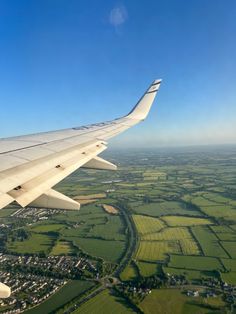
99,164
54,199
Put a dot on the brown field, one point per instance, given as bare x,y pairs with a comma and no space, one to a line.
110,209
90,196
85,202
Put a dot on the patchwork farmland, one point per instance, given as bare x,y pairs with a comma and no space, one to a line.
165,219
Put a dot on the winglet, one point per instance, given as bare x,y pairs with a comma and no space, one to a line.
142,108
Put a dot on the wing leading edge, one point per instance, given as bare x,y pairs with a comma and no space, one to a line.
31,165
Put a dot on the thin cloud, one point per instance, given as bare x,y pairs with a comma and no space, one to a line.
118,16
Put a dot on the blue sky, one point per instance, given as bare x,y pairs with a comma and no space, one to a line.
69,63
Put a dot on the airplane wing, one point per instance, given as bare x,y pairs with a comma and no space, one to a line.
31,165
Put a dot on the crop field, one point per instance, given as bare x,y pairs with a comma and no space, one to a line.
90,196
110,209
177,234
182,235
209,242
189,247
62,248
102,303
174,221
146,224
156,250
85,202
195,262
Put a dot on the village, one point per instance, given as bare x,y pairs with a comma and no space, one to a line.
35,288
34,279
35,214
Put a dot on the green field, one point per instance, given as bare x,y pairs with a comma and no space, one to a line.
209,242
195,262
104,303
166,208
230,247
36,243
78,231
71,290
112,229
108,250
171,301
44,228
156,250
191,275
180,234
230,264
176,221
219,199
95,232
146,224
215,207
129,273
148,269
202,202
221,229
226,211
230,278
62,248
227,236
5,212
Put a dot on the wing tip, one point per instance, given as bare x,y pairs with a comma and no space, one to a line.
158,81
142,108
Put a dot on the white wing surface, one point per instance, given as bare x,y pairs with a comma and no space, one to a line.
31,165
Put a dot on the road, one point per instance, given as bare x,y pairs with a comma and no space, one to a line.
105,283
